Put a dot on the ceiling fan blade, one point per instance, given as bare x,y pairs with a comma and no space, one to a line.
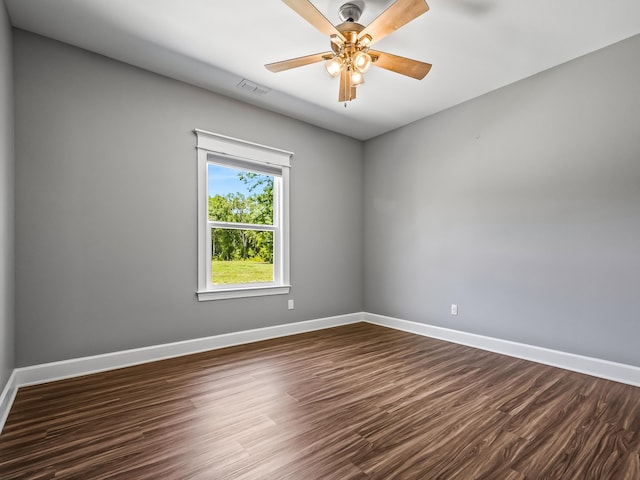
311,14
298,62
347,91
401,65
398,14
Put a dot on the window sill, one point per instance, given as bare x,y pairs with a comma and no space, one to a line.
245,292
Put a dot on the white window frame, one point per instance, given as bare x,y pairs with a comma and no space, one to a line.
233,152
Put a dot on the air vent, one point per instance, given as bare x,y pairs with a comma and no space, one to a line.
251,87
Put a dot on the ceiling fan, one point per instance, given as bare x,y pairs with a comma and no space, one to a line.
351,56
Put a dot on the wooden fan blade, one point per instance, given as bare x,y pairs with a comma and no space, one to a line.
298,62
398,14
311,14
347,91
401,65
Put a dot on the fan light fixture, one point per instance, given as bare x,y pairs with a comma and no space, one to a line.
350,56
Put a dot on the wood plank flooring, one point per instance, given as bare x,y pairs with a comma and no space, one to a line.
352,402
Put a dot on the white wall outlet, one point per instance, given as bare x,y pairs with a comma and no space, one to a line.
454,309
290,304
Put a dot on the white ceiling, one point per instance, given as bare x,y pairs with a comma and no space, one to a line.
475,46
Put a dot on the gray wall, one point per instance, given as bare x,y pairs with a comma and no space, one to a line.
6,202
106,219
521,206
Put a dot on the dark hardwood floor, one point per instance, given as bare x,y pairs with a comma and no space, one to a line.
353,402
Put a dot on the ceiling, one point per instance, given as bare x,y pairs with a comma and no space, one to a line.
475,46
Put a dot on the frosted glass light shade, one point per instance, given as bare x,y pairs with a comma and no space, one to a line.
356,78
362,61
334,66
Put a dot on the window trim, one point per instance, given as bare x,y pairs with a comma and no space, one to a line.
238,151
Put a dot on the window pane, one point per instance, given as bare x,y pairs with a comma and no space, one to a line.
241,256
239,195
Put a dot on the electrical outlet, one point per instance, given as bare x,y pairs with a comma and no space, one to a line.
454,309
290,304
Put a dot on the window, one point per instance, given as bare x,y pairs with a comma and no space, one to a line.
243,218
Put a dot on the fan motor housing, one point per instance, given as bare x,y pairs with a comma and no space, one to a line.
350,31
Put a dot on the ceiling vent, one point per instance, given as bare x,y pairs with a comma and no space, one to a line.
250,87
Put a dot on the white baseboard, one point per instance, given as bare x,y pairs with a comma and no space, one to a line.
48,372
7,397
99,363
596,367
